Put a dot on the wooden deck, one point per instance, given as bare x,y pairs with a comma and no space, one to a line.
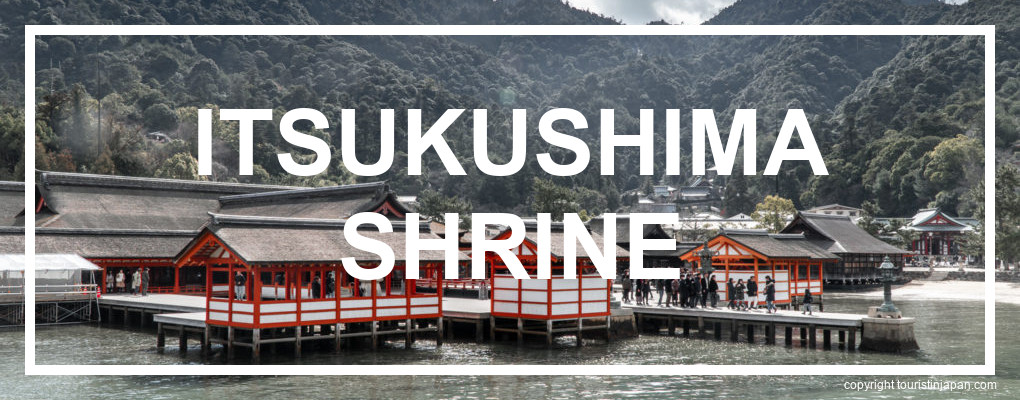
780,317
710,322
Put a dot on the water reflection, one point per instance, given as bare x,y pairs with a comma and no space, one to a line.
947,331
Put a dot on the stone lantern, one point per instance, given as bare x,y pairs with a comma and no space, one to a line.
888,270
706,260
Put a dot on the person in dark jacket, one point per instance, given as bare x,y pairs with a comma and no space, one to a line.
752,293
808,300
731,294
316,288
770,295
695,290
660,289
738,290
668,283
713,290
627,286
704,290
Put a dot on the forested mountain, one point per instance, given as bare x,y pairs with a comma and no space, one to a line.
898,119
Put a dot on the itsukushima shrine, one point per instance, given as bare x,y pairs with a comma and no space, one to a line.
281,280
251,265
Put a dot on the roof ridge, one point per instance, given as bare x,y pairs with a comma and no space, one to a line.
370,187
12,186
48,178
109,231
254,220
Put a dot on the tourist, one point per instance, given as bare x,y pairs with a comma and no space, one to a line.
713,290
145,282
675,285
730,294
627,286
239,280
330,285
704,290
752,293
770,295
695,290
683,290
647,291
807,302
738,291
120,281
316,287
109,282
668,283
136,282
660,287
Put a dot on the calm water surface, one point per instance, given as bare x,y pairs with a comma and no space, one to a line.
949,332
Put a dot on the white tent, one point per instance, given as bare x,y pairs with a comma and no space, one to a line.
54,273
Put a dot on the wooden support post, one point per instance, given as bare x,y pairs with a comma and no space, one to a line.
492,328
141,319
842,339
609,328
408,334
733,330
160,338
183,345
479,330
750,333
375,335
256,345
803,337
672,325
297,341
826,339
520,331
717,330
580,328
230,342
126,319
439,331
687,328
206,345
548,333
851,342
789,336
812,339
770,333
701,327
336,332
640,322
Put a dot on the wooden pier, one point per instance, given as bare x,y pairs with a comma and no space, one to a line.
723,323
184,316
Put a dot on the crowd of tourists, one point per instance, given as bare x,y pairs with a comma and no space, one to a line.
694,290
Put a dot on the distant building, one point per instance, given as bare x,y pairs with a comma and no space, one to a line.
940,234
860,254
837,209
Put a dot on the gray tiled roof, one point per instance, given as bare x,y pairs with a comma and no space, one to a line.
269,239
838,234
779,245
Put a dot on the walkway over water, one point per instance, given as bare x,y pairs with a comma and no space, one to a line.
712,321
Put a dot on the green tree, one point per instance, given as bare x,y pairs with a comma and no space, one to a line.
549,197
180,166
867,220
772,212
433,206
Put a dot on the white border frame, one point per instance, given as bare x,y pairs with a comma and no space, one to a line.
987,31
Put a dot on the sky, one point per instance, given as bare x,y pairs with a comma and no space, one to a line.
688,12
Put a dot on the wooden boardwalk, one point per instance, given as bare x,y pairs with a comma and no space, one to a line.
720,322
185,316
